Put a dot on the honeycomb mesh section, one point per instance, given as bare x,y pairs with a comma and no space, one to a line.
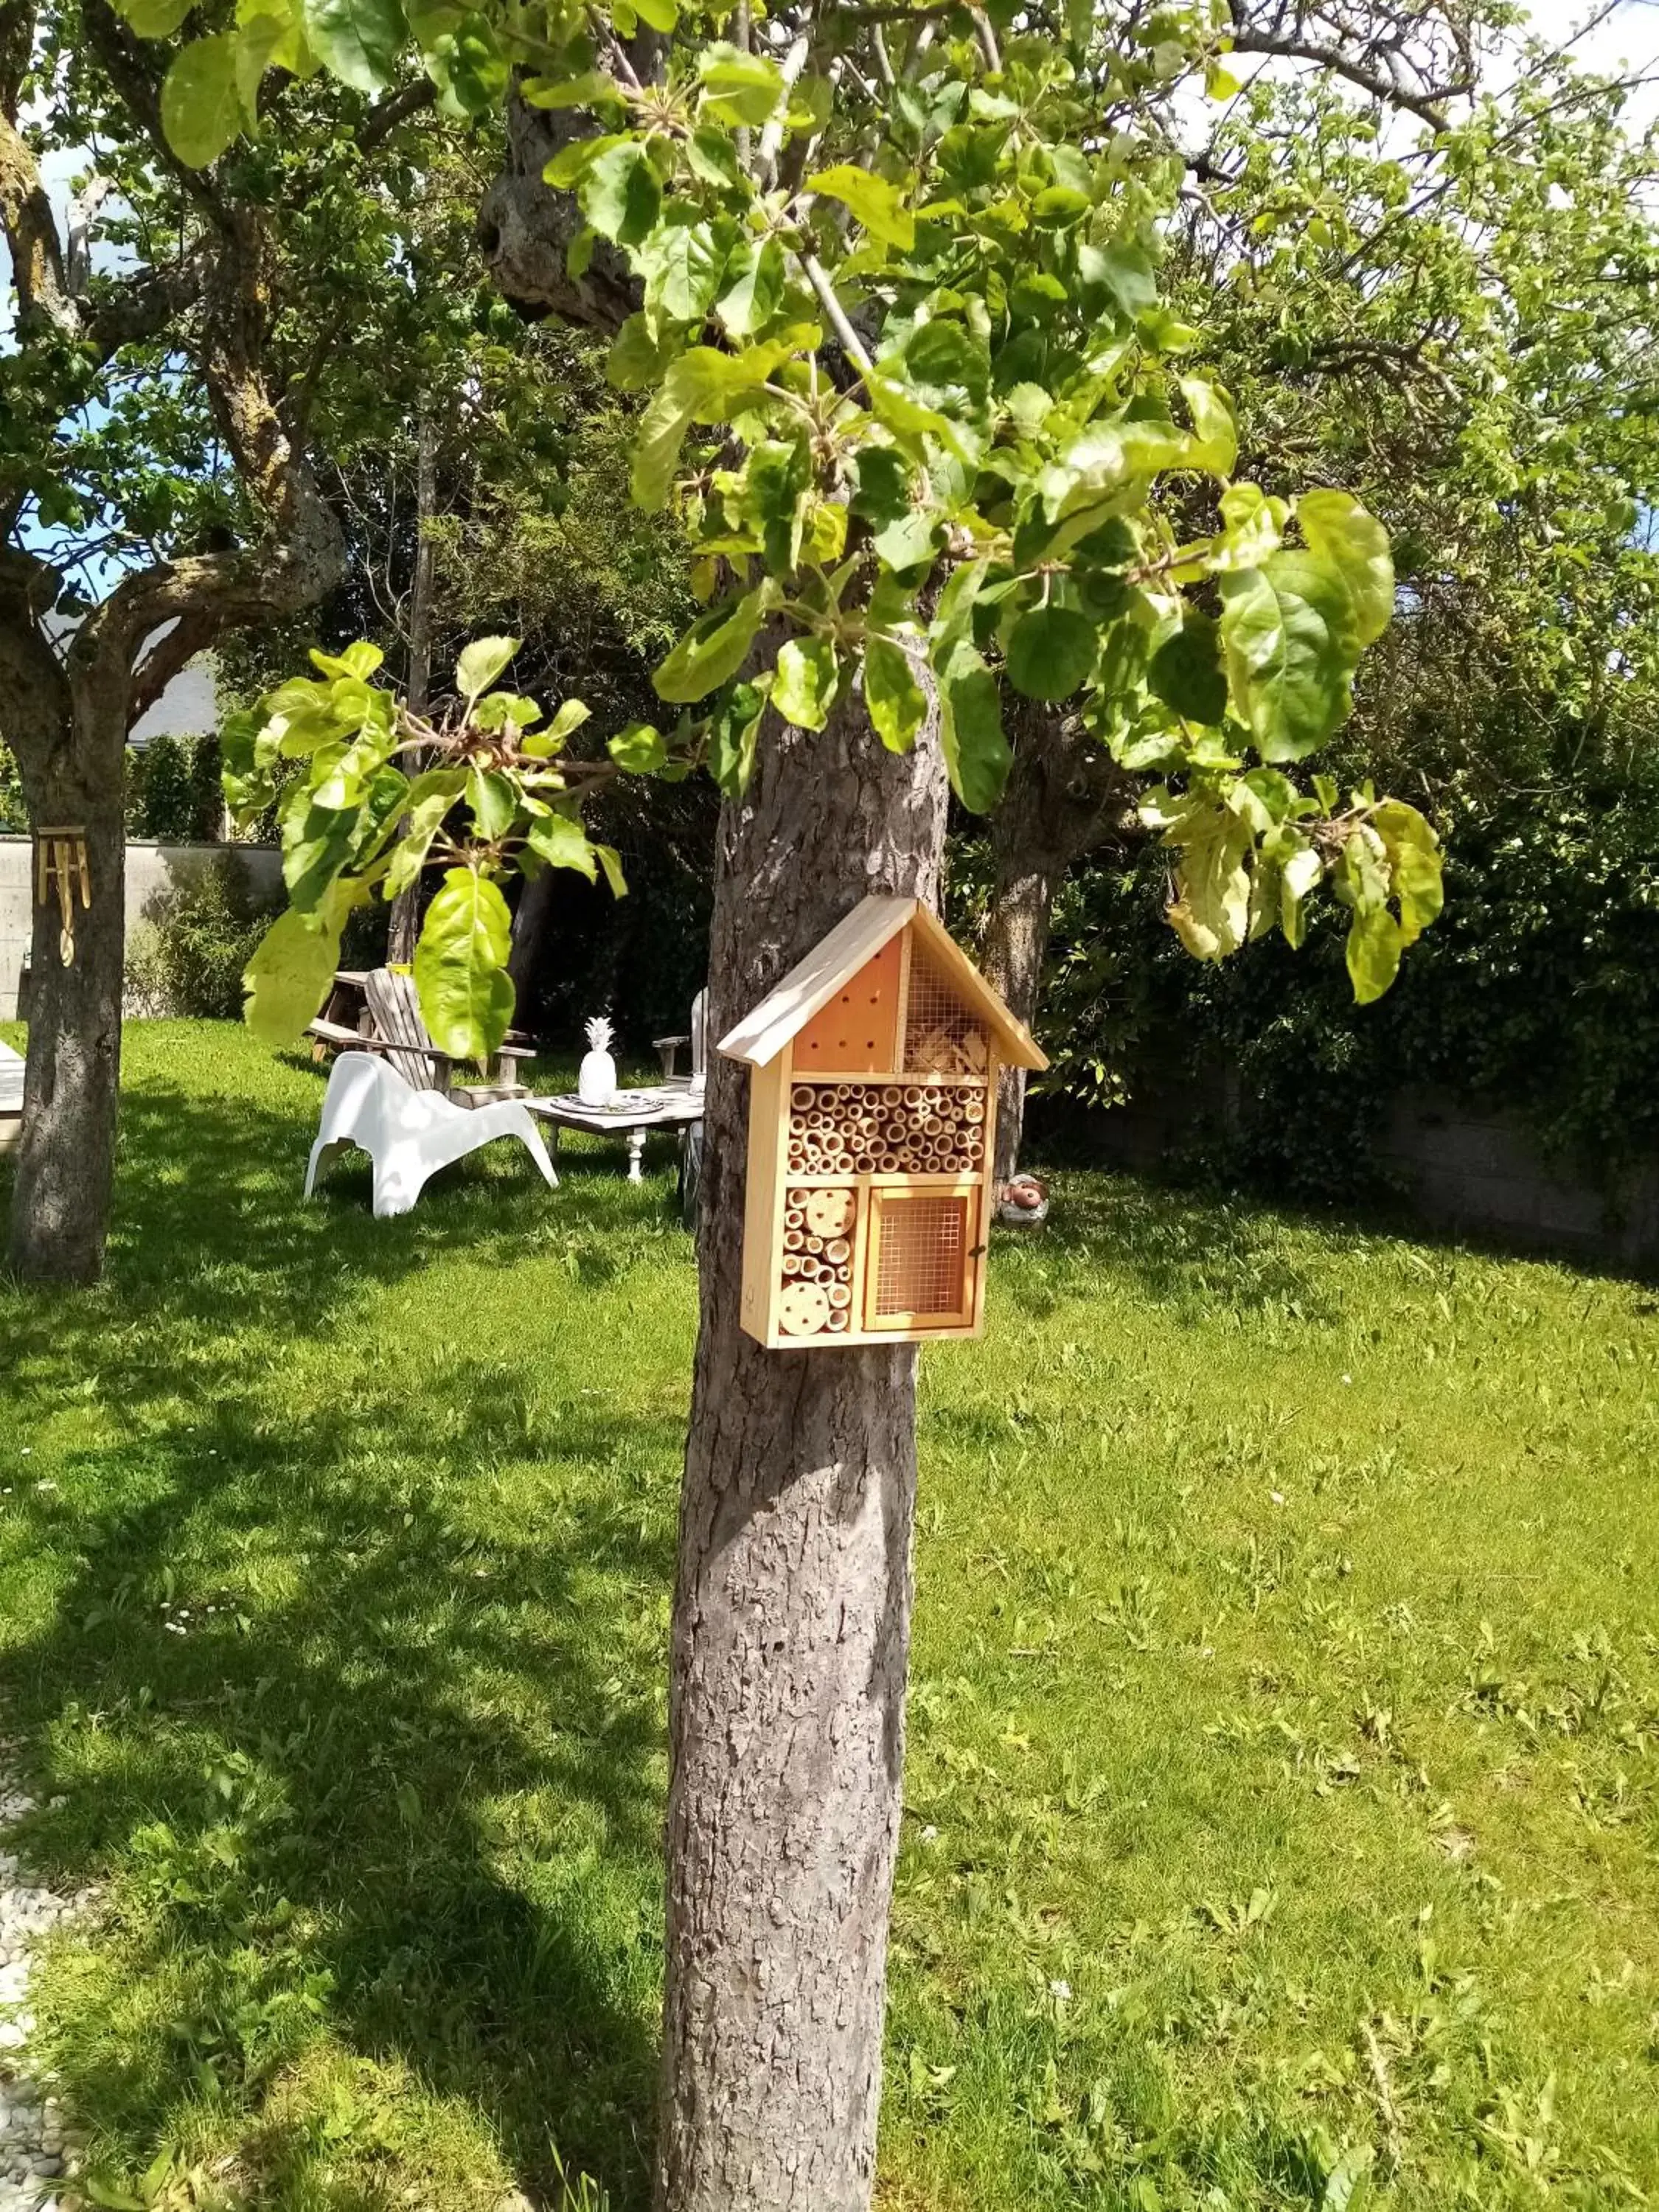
922,1263
941,1037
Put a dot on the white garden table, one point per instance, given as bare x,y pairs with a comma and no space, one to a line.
630,1114
11,1097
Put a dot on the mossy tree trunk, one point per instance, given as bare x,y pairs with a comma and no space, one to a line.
791,1615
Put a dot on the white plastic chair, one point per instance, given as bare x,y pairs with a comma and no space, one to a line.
408,1133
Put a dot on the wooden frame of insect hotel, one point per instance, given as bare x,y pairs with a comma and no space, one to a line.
872,1095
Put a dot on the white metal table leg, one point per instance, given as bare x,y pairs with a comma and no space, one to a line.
636,1156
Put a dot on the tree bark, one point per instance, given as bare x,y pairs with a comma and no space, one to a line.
66,1153
792,1608
1061,801
403,927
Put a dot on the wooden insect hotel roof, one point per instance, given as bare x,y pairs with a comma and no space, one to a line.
851,944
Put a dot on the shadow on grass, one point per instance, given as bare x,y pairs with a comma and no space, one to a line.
398,1777
1193,1253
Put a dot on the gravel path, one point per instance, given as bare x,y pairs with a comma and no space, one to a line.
35,2149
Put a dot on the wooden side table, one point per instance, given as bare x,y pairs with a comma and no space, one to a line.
632,1115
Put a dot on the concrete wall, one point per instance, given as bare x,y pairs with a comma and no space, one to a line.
151,870
1469,1170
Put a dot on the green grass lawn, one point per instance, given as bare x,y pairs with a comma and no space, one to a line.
1281,1793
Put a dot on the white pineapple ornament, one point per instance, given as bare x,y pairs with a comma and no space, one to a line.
596,1081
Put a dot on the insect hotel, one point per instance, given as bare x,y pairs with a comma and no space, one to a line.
871,1111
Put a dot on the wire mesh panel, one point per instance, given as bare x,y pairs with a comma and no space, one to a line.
922,1269
941,1035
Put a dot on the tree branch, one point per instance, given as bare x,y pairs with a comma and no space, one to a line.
396,107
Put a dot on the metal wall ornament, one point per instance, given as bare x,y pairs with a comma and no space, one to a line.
61,863
872,1133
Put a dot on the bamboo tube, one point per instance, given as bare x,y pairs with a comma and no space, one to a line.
836,1323
887,1164
891,1095
792,1263
839,1250
794,1239
841,1297
814,1243
810,1268
912,1095
800,1099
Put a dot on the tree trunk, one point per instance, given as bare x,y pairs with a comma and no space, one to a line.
66,1155
793,1608
1061,801
404,926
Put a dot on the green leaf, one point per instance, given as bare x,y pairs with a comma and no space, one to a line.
258,42
639,749
1289,632
587,88
884,484
572,163
893,694
1123,272
621,194
1215,426
1051,651
733,733
154,19
1376,942
750,303
976,755
637,360
661,15
1355,544
713,157
289,975
356,41
686,266
316,843
460,966
493,799
908,541
776,484
808,678
738,87
506,710
469,68
570,717
359,661
561,841
703,386
201,108
611,861
1210,912
481,663
711,651
1415,865
875,203
1186,671
430,797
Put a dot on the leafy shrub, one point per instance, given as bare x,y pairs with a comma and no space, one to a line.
14,816
173,794
187,954
1539,993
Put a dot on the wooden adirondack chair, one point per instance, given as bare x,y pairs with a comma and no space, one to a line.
395,1030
